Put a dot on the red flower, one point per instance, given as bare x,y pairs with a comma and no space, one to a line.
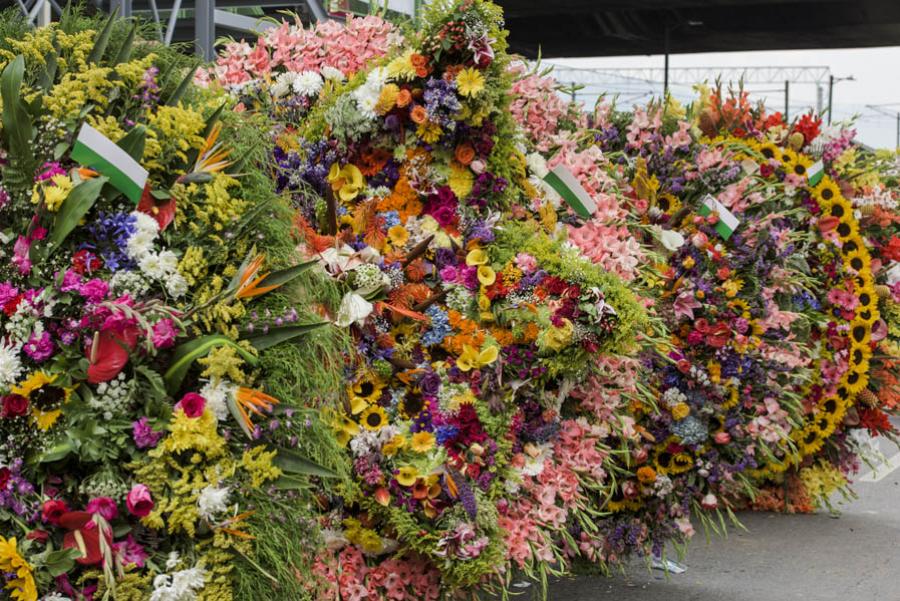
10,307
875,421
809,127
84,261
161,210
718,336
53,510
192,404
109,353
139,501
83,534
41,536
13,405
5,477
892,249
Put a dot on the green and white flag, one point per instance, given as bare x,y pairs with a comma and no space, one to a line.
94,150
567,185
815,173
727,221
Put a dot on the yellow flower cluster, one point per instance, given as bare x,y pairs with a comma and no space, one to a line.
131,73
67,98
821,480
365,538
21,584
53,192
37,43
173,131
258,464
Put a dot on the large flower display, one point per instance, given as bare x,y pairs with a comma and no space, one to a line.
152,357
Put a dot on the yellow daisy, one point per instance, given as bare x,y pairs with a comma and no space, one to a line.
470,82
422,442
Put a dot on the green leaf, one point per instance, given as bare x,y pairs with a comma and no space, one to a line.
276,336
187,353
283,276
73,209
16,122
56,452
61,561
292,462
102,39
124,53
289,483
156,382
133,142
182,87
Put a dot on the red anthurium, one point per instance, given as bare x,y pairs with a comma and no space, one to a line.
83,534
109,353
161,210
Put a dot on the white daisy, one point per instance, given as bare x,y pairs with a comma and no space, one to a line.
176,285
332,73
217,395
151,267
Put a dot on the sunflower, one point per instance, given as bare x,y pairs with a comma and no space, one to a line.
364,392
770,151
374,418
668,203
859,354
838,207
848,230
734,397
857,378
810,440
740,306
858,260
796,163
826,424
45,399
832,406
412,405
826,191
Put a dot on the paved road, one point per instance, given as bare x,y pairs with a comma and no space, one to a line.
855,557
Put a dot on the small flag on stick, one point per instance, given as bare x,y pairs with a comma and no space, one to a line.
567,185
815,173
93,149
727,221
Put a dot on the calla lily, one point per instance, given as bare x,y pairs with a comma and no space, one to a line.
407,475
83,533
473,359
476,256
109,353
354,309
347,181
486,275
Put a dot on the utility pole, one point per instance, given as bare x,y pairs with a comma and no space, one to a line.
819,94
830,96
898,131
787,100
666,69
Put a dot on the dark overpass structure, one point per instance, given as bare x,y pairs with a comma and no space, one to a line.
574,28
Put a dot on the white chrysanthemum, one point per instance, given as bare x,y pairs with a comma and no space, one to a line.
145,223
307,83
283,84
10,365
180,586
55,597
332,73
169,261
366,100
151,266
176,285
140,243
217,395
212,500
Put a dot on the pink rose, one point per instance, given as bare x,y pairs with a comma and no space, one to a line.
699,240
192,404
139,501
105,506
722,437
477,166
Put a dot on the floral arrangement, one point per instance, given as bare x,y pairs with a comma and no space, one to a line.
153,334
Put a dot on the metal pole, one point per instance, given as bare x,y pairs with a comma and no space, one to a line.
830,96
898,131
666,74
787,98
44,17
205,28
819,94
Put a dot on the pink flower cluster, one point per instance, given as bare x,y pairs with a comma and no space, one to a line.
538,108
346,47
348,578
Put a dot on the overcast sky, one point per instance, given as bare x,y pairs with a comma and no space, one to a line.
876,70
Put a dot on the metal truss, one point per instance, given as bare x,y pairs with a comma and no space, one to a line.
692,75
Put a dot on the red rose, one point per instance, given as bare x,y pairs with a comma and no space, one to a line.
192,404
53,510
14,405
5,476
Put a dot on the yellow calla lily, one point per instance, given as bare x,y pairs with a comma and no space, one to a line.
476,256
407,475
346,181
473,359
486,275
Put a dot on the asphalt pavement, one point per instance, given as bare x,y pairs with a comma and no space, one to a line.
853,557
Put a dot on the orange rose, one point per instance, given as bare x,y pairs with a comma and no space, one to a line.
465,153
404,98
418,114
